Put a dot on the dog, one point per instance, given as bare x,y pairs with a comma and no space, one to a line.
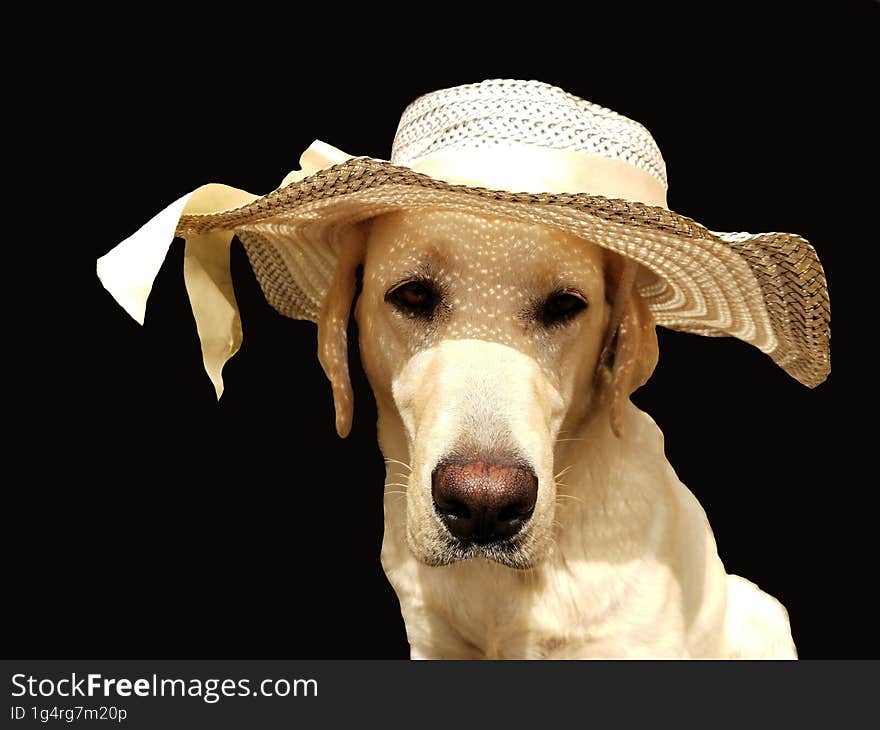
530,512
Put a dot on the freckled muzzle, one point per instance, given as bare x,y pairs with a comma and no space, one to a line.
484,501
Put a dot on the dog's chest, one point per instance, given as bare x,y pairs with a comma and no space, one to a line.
489,614
541,614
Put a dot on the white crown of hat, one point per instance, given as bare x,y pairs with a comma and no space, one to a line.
529,136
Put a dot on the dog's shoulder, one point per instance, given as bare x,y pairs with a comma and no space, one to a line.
757,623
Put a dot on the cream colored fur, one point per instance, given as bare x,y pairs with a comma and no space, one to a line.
618,559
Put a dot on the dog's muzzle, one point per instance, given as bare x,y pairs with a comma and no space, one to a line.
484,501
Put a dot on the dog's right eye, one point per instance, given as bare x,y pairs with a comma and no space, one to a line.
560,307
419,297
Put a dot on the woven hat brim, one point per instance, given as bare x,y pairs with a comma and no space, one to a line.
766,289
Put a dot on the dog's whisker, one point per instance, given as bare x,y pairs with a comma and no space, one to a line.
396,484
569,439
570,496
557,476
397,461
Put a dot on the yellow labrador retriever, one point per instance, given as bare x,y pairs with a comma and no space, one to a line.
530,511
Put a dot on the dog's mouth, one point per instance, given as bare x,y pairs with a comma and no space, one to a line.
509,552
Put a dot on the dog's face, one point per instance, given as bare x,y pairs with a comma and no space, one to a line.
482,336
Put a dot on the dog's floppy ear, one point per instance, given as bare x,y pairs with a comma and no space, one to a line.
333,328
631,350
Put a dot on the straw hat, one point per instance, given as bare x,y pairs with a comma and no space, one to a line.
519,149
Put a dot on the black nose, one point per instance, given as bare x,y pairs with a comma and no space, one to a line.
482,501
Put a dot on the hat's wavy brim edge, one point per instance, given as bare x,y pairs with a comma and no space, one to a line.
766,289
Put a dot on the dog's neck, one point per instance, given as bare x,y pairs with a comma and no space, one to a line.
607,491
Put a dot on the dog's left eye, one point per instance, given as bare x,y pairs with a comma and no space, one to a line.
419,297
560,307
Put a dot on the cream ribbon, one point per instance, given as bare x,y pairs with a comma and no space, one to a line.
543,170
128,270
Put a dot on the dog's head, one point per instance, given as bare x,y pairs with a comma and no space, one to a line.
481,338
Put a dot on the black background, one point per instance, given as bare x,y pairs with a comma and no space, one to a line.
152,522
